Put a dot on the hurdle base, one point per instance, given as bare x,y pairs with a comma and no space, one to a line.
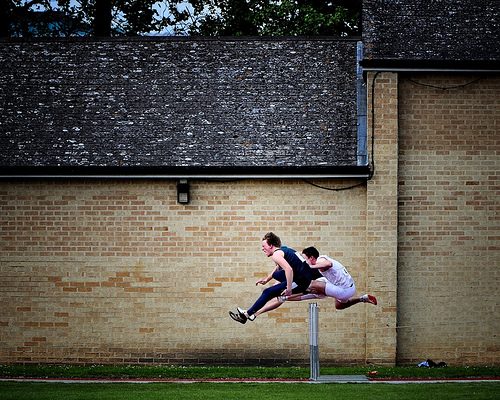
340,379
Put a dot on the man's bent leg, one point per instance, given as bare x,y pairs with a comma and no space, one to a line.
267,294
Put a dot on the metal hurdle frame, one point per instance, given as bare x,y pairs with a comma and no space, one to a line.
315,375
313,341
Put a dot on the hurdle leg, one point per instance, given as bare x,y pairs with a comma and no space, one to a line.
313,341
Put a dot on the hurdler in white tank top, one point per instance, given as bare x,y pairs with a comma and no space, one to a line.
337,273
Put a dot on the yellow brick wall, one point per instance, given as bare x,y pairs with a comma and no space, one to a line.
118,272
449,258
381,227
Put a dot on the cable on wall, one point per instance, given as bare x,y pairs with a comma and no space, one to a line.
333,189
444,87
372,167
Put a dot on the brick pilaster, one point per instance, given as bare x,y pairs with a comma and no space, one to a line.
382,220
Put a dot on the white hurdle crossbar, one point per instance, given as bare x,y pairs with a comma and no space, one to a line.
313,341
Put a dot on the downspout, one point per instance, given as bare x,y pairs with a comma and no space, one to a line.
362,152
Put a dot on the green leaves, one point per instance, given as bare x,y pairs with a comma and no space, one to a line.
281,18
66,18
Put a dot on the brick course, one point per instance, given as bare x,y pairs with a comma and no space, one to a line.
118,272
448,218
381,228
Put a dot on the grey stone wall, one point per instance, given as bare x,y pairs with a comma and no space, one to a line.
177,102
459,30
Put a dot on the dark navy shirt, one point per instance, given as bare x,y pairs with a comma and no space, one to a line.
301,270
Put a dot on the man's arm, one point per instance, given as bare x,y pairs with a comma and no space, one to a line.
263,281
322,264
279,259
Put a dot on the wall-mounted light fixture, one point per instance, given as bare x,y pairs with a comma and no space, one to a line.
183,191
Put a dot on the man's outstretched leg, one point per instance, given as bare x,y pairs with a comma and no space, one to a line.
366,298
242,316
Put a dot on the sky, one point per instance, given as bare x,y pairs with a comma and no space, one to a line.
160,6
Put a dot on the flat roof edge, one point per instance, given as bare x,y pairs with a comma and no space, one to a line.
344,172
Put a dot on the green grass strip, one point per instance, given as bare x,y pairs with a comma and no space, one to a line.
216,372
248,391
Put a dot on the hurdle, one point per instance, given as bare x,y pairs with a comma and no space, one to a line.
313,341
315,375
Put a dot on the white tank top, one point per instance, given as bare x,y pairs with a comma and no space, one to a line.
337,274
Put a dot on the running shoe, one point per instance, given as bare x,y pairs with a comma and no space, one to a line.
368,298
243,314
237,317
241,311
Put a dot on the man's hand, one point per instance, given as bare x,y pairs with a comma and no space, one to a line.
261,281
287,292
